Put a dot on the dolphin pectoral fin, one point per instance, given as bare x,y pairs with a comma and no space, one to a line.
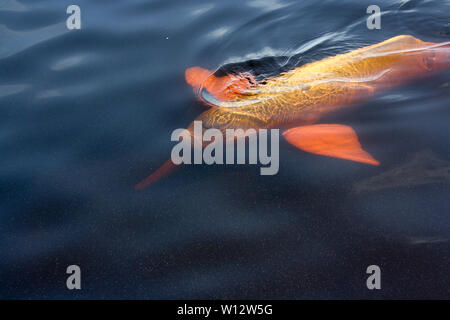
332,140
167,168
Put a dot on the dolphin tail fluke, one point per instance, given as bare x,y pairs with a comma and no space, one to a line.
167,168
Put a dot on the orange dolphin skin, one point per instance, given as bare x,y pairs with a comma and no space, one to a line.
297,99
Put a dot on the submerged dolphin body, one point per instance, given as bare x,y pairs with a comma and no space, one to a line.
297,99
424,167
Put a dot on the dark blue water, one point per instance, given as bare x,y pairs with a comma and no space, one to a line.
86,114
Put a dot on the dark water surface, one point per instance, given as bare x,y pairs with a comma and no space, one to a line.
86,114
